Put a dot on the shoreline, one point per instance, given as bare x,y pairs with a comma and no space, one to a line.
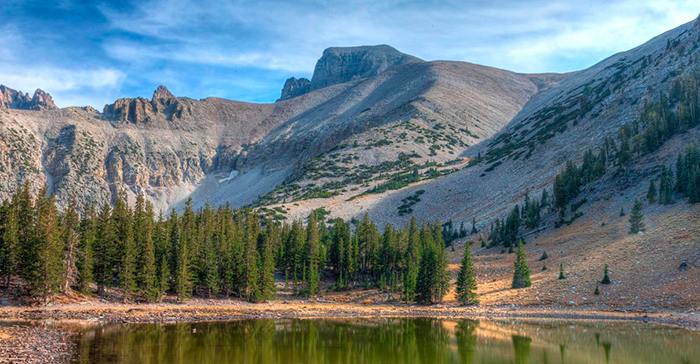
214,310
48,330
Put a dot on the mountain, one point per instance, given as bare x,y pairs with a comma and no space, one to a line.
12,99
379,132
213,149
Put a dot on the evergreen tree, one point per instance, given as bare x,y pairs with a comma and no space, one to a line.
313,242
521,272
427,276
88,236
544,256
636,218
267,268
622,211
160,242
26,223
466,280
474,231
10,245
147,279
597,290
126,251
181,233
251,270
665,187
70,240
46,271
104,249
561,271
606,278
651,193
412,259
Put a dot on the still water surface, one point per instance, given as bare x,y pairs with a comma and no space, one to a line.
398,340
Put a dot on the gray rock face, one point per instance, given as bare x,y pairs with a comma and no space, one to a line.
343,64
139,110
294,87
12,99
162,93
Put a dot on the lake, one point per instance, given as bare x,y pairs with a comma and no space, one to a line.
390,340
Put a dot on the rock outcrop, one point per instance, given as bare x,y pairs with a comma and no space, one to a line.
12,99
162,106
343,64
294,87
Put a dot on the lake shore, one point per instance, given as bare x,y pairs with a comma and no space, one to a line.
222,310
53,343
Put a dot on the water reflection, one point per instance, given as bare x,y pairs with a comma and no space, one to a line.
386,341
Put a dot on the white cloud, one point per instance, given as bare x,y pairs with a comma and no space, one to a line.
281,35
20,71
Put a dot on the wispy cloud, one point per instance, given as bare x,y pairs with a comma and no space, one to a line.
70,86
245,49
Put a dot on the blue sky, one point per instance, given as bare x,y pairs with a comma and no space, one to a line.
91,52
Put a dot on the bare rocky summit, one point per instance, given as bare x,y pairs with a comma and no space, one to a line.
343,64
294,87
12,99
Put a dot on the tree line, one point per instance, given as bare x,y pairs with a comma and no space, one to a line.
210,251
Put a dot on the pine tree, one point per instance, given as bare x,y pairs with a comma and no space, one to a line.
412,259
606,278
46,271
146,263
622,211
597,290
251,273
521,272
466,280
126,251
544,256
312,251
426,285
267,268
474,231
88,236
181,232
636,218
160,242
561,271
651,193
70,239
10,245
104,249
26,223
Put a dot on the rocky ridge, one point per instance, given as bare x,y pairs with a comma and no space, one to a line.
12,99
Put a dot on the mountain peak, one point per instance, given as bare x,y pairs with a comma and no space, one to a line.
294,87
13,99
343,64
162,93
41,101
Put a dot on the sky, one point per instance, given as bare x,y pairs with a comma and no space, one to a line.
87,52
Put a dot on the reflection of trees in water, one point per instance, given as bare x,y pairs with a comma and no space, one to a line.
521,345
466,340
340,341
607,346
562,349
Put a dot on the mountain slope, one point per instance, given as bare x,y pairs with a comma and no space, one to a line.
171,148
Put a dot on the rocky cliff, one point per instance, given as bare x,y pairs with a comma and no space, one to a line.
12,99
294,87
